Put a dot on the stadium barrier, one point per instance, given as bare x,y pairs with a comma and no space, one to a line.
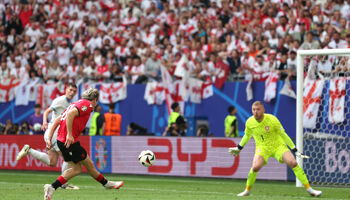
175,156
214,109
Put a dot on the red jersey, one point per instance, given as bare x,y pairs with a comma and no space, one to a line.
85,108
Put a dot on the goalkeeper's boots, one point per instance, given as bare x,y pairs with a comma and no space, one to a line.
69,187
244,193
114,184
48,189
23,152
315,193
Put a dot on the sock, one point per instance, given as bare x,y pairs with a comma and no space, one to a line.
64,167
251,179
101,179
43,157
299,173
59,182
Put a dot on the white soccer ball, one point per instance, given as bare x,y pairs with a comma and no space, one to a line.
37,127
147,158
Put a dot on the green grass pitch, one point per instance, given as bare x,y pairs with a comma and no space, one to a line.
27,185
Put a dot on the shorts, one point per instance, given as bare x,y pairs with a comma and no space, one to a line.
276,152
54,137
75,152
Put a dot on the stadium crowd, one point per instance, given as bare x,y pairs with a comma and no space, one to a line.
102,40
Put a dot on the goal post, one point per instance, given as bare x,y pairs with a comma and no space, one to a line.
301,54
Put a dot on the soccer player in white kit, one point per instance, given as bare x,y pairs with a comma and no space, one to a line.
51,157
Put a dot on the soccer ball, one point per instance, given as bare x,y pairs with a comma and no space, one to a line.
37,127
147,158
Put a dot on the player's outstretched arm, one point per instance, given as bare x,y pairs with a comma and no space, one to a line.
236,150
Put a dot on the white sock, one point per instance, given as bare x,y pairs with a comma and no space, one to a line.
43,157
65,166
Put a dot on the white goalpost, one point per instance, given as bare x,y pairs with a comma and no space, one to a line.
327,143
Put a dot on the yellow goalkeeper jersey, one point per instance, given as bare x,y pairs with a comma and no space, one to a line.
268,133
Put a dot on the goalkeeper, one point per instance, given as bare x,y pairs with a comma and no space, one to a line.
271,141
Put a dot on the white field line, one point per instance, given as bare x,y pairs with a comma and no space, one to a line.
173,191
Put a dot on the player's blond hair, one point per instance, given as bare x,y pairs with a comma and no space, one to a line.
90,94
258,103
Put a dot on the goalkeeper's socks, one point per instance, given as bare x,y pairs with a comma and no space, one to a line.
251,179
101,179
299,173
59,182
43,157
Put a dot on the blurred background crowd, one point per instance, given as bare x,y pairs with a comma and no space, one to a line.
103,40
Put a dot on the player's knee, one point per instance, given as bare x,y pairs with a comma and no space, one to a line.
53,163
256,168
293,164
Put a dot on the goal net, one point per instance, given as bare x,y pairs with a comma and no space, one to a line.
323,115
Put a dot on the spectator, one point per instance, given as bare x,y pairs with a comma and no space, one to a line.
112,122
231,123
10,128
310,43
234,61
202,131
136,129
96,123
23,129
35,121
152,67
176,123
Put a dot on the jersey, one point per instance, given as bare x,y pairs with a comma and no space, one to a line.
268,133
58,106
84,108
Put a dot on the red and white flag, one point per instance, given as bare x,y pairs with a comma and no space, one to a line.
222,73
207,89
287,89
154,93
44,95
271,86
172,89
8,89
26,91
337,94
312,98
113,92
195,90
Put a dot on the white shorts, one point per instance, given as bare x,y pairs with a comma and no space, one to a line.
54,137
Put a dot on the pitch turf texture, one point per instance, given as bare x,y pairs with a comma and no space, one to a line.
16,185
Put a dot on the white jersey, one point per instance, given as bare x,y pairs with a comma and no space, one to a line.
58,106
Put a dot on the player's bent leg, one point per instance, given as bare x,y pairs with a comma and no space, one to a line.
73,171
68,186
53,156
289,159
23,152
90,167
258,163
48,191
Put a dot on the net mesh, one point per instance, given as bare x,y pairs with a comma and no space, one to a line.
326,120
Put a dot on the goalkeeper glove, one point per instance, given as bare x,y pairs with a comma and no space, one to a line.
235,150
300,155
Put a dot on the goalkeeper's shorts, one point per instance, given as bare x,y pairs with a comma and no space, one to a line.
267,152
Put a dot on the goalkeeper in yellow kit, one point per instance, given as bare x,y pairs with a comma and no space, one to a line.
271,141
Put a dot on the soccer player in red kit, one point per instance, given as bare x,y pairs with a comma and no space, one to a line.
72,122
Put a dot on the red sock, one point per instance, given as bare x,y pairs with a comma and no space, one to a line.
101,179
59,182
